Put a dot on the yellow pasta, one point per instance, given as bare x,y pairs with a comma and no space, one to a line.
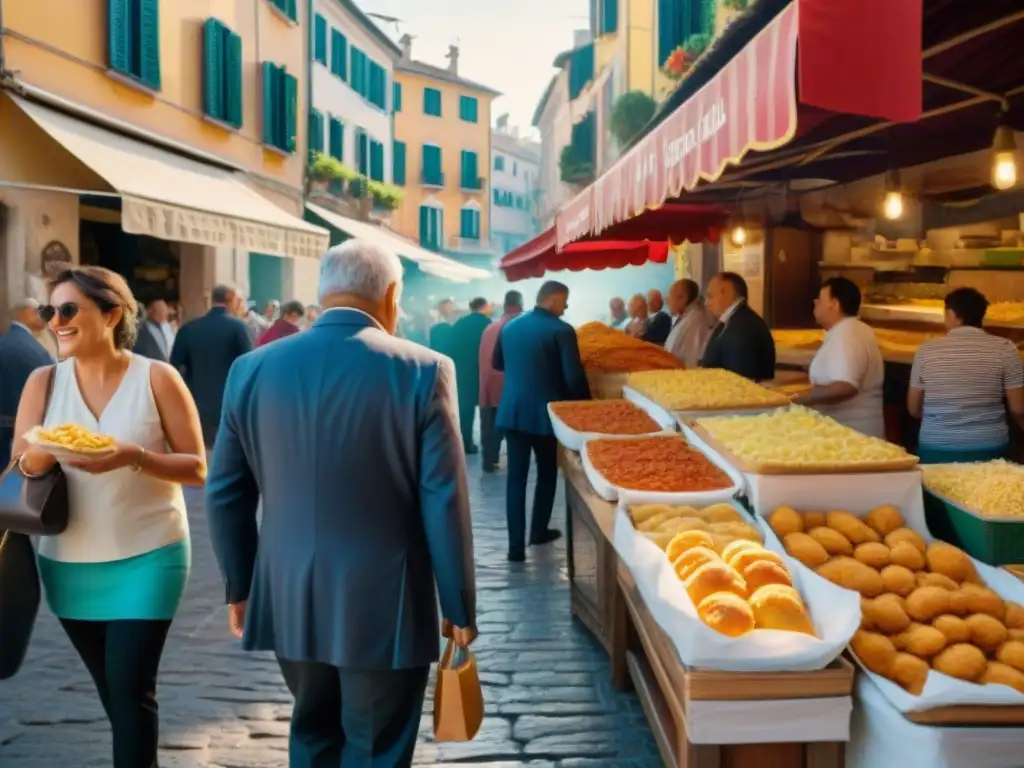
75,438
703,390
990,488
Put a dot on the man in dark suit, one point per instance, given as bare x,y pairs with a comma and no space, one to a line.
659,324
204,350
741,341
351,437
153,339
20,354
465,351
540,357
439,337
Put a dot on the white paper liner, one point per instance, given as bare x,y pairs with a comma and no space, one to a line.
573,440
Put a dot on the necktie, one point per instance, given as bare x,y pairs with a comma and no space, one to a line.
716,332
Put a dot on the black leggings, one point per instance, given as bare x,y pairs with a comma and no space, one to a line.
123,658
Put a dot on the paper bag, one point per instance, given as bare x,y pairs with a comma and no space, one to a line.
458,699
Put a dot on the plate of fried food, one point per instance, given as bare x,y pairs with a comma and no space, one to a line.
71,441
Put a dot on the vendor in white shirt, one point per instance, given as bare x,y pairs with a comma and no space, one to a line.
847,372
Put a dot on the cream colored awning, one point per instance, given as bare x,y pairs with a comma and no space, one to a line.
171,197
428,261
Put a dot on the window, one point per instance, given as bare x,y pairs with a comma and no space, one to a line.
433,174
336,141
396,97
581,69
222,73
499,163
503,198
377,85
316,131
431,227
432,102
358,72
287,7
608,20
677,20
320,39
362,152
280,105
470,178
398,163
469,224
339,54
468,108
376,161
134,28
515,168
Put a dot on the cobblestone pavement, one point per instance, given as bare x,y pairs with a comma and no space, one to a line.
548,699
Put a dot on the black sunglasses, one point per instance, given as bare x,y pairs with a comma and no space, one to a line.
66,311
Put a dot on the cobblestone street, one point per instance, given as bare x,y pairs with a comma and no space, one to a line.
546,684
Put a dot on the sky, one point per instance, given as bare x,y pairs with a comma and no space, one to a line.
507,45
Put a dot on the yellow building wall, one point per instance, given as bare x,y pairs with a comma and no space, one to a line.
62,47
452,135
640,47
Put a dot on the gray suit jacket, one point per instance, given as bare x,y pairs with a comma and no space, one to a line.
351,437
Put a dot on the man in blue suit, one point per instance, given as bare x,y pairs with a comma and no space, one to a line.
540,356
351,436
20,354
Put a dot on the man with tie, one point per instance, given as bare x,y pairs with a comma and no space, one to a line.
154,340
659,324
691,323
741,341
20,354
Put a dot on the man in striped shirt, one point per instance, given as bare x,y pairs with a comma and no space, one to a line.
962,384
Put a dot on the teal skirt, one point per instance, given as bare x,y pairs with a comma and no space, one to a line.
930,455
147,586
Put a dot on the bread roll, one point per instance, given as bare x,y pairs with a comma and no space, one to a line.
777,606
714,577
727,613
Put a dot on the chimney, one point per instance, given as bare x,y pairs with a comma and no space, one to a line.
502,123
406,42
453,59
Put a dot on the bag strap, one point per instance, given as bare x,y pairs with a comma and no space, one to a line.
51,383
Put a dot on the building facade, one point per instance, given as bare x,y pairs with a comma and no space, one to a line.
442,155
161,138
552,119
515,172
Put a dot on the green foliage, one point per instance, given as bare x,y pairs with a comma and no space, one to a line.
326,168
632,111
574,169
385,195
736,5
695,45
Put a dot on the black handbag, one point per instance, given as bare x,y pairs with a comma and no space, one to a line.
19,600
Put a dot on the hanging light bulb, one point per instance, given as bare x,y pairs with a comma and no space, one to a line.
738,235
1004,161
892,206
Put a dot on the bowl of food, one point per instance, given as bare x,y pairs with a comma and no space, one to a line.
71,441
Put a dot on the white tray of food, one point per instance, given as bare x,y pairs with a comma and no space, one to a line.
573,439
70,442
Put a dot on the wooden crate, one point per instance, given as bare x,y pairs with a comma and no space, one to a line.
606,386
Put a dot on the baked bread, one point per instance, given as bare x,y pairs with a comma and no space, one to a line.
777,606
761,573
687,540
691,560
741,560
727,613
714,577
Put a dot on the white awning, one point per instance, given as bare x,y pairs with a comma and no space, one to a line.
428,261
171,197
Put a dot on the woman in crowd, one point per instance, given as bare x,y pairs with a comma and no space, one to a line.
115,577
962,384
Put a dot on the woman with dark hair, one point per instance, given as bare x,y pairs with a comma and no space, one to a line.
115,577
962,384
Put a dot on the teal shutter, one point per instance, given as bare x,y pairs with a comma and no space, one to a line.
119,31
213,68
469,224
316,131
425,226
499,163
291,112
336,139
320,39
291,9
581,69
432,165
339,54
362,152
398,163
149,43
267,88
233,78
494,194
376,161
468,107
396,97
470,178
432,102
609,22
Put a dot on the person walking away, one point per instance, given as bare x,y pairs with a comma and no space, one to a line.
292,313
465,346
153,341
491,382
847,371
20,354
115,577
439,337
540,357
364,513
255,323
204,350
740,341
962,384
660,323
691,323
26,312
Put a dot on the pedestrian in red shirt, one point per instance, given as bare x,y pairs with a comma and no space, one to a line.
287,324
491,382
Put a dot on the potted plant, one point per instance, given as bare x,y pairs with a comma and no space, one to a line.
323,169
574,169
696,44
386,196
631,112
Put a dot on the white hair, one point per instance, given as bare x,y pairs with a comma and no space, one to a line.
360,268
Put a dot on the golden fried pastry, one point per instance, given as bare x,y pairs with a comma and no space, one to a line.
898,580
904,553
1015,634
1014,617
998,673
741,560
865,620
873,554
962,661
806,549
909,672
727,613
813,520
736,530
644,512
987,632
907,535
832,540
687,540
937,580
925,603
884,520
949,561
722,513
784,521
852,528
971,598
761,573
737,546
778,606
714,577
721,542
680,524
875,651
1012,652
953,627
661,540
886,612
692,559
654,521
921,640
852,574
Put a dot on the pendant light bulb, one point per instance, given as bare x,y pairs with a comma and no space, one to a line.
893,206
1004,160
739,235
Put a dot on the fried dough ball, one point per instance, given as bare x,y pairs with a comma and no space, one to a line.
1015,634
681,524
949,561
686,540
644,512
872,554
937,580
760,573
721,513
898,580
953,627
851,527
986,632
904,553
925,603
741,560
865,620
998,673
884,520
851,574
1012,652
813,520
910,673
778,606
805,549
726,613
714,577
737,531
907,535
962,661
785,520
974,599
692,559
875,651
886,612
921,640
832,541
1014,618
721,542
737,546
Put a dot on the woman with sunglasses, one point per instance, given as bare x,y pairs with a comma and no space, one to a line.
115,577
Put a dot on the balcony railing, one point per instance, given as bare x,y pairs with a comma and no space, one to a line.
472,185
435,180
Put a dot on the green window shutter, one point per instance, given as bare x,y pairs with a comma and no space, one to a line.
470,176
268,79
362,152
291,9
494,194
398,163
213,68
396,97
149,43
468,107
499,163
376,161
432,102
339,54
291,112
233,78
119,31
609,22
335,142
425,223
320,39
316,132
432,165
581,69
469,224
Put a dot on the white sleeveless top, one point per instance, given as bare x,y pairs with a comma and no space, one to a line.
118,514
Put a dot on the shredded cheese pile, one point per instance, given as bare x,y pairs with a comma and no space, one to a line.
990,488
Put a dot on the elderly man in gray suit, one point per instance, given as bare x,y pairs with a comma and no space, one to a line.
351,436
